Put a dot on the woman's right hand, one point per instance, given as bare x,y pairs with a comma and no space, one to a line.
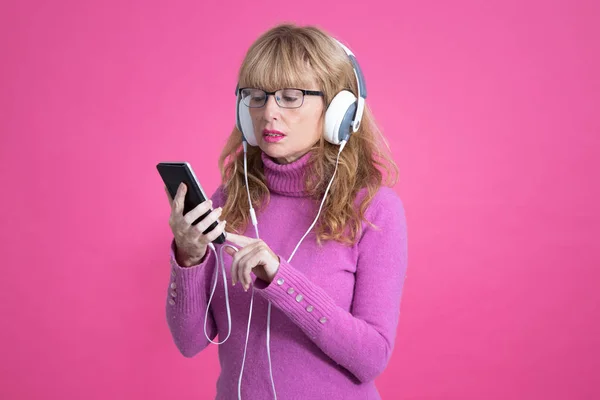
191,242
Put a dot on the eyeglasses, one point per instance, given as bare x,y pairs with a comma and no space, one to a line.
286,98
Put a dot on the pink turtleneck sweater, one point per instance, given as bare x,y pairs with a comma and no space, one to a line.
334,309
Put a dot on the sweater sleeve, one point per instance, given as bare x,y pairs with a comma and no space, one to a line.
187,299
361,340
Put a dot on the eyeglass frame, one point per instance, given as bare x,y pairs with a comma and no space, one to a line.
305,92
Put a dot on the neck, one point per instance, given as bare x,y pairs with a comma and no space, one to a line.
287,178
287,160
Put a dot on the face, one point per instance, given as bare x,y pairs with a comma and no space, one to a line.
301,127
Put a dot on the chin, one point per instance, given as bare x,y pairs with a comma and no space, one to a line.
273,153
276,154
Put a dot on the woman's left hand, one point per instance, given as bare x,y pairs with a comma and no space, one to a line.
254,255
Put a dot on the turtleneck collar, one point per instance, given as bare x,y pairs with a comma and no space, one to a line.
286,179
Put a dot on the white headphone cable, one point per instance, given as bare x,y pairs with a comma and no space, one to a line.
220,259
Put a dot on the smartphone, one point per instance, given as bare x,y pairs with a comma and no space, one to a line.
172,174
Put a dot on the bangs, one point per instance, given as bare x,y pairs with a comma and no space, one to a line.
277,64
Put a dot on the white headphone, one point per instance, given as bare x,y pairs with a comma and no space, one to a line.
342,118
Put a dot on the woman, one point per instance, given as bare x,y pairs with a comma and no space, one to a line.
323,325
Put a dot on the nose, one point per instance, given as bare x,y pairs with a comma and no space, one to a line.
271,109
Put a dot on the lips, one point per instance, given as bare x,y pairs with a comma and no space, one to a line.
272,133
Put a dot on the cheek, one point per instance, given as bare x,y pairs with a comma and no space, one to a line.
312,121
254,115
308,128
317,123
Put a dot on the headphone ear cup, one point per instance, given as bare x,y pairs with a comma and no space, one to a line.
245,124
338,117
237,113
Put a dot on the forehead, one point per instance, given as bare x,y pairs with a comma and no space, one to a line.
273,74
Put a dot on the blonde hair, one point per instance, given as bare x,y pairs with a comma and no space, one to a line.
280,58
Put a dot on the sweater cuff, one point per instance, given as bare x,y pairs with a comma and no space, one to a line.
305,303
186,284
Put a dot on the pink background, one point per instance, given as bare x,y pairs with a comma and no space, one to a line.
491,110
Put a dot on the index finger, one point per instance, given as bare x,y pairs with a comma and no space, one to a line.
239,239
